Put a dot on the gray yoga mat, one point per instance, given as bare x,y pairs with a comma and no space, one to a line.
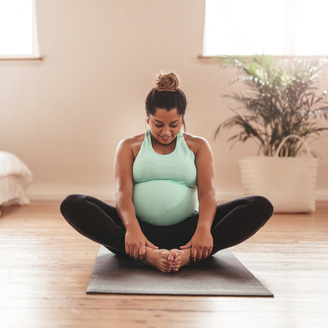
219,275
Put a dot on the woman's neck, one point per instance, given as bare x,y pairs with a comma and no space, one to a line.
162,149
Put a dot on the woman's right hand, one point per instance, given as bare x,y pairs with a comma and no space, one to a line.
135,244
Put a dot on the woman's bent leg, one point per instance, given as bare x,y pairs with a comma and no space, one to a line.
237,220
95,220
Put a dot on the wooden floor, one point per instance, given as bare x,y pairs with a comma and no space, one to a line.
45,268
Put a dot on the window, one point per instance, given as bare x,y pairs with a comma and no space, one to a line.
277,27
18,35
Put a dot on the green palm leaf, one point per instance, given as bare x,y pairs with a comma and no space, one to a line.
283,100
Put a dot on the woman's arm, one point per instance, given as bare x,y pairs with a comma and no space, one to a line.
135,240
202,241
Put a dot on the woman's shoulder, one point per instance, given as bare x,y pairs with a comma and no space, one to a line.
133,139
195,143
132,143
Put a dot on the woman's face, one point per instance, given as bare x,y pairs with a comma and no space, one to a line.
165,125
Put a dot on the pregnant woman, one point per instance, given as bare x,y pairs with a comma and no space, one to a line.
166,213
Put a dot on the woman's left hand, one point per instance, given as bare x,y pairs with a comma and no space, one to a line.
201,244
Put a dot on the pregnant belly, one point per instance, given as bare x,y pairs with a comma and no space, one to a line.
164,202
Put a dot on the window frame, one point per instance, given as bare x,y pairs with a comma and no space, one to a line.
289,41
35,56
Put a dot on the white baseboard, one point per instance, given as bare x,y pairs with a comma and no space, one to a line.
58,193
321,195
225,196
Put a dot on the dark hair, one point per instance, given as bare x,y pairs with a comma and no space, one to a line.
166,95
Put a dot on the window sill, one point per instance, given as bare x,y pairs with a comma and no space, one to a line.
20,59
205,57
201,57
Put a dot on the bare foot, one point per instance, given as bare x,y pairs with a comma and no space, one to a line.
162,259
176,259
181,258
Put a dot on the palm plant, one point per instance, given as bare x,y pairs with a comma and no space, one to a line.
283,101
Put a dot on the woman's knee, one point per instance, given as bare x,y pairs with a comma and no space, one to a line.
70,203
263,205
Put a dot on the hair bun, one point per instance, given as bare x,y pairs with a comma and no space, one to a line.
167,82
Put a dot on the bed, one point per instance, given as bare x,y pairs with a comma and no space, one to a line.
15,177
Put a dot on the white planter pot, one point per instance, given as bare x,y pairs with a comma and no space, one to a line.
288,182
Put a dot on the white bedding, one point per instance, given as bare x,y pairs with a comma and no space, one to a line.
15,177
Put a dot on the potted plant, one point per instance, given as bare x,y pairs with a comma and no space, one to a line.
283,101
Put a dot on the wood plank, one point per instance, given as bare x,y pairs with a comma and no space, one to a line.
45,268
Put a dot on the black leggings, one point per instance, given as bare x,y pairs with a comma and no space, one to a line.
234,222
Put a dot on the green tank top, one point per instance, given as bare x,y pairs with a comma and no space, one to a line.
164,186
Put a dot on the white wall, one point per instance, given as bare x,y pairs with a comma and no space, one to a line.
65,115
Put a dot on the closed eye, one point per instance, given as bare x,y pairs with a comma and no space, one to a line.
172,126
